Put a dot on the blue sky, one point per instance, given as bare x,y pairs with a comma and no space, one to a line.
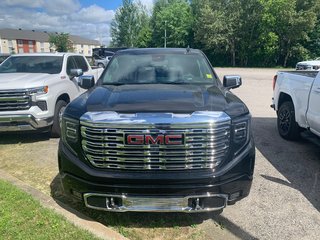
87,18
108,4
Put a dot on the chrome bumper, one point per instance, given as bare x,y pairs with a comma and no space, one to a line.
23,122
123,203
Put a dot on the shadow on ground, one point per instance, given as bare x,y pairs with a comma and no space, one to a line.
145,220
298,162
23,137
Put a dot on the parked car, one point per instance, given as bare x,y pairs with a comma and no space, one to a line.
309,65
102,62
158,132
3,57
35,89
296,99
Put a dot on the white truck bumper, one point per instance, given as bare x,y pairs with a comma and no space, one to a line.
23,122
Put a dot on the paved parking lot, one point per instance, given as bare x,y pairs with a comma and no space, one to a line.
284,202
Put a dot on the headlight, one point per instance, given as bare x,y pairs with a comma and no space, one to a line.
38,90
70,133
241,132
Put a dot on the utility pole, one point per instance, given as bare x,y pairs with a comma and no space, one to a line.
165,33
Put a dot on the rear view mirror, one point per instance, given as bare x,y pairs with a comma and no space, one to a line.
86,82
75,73
232,81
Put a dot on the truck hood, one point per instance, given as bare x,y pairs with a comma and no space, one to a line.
314,62
156,98
22,80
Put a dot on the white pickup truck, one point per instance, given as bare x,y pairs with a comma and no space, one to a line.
296,99
35,89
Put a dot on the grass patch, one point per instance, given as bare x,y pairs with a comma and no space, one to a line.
22,217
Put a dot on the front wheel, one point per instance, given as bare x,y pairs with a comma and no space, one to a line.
101,65
288,128
55,130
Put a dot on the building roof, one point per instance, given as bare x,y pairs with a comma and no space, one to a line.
13,34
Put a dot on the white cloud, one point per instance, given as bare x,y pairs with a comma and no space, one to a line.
61,7
92,22
24,3
94,14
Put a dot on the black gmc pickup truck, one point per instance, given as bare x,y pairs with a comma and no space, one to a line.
157,132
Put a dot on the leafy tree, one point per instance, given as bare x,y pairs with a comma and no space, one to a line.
61,42
291,21
130,27
174,17
228,29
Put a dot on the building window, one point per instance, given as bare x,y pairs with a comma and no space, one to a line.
20,50
30,43
20,42
10,43
42,44
31,50
81,45
89,52
42,49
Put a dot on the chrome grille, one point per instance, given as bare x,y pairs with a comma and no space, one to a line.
205,147
13,100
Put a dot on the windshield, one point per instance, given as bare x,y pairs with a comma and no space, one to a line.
32,64
159,68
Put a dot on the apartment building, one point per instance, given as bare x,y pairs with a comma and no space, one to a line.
31,41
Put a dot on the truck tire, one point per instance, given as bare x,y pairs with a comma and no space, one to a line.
288,128
55,129
101,65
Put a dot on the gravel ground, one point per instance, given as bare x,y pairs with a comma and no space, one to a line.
284,202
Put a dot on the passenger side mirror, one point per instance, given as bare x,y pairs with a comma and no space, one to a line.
232,81
75,73
86,82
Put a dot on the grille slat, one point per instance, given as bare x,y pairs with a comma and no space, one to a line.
203,148
13,100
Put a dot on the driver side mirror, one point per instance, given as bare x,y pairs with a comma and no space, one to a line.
86,82
232,81
75,73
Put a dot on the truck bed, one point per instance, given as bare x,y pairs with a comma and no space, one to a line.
311,74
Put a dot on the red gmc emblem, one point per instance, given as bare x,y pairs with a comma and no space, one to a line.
160,139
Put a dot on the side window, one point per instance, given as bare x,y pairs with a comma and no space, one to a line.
70,64
81,63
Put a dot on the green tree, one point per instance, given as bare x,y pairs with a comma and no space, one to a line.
174,17
291,21
227,28
131,26
61,42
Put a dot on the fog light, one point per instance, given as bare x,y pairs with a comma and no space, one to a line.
76,194
234,196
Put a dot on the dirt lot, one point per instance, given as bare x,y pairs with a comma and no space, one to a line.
284,202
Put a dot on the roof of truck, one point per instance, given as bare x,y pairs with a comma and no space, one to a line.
47,54
134,51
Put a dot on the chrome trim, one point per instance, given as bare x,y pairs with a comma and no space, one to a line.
23,122
154,203
207,140
13,100
153,120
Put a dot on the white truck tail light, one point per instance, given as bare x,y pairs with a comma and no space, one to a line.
274,81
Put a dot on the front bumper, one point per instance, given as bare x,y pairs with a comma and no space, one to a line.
165,191
23,122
